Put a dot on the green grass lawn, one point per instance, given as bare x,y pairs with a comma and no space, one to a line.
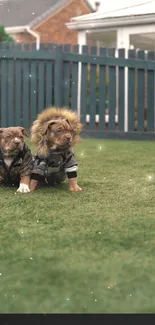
86,252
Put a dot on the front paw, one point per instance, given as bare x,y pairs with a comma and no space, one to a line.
75,188
23,188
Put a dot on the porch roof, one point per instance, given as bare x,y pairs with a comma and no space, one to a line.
135,15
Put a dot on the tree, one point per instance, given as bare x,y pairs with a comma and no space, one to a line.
4,37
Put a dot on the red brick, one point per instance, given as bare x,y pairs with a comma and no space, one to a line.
54,29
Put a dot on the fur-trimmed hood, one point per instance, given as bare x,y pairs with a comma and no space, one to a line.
40,125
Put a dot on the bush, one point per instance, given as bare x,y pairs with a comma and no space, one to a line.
4,36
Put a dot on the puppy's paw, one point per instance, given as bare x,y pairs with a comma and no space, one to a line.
75,188
23,188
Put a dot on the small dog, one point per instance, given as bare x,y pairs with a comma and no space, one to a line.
16,162
54,133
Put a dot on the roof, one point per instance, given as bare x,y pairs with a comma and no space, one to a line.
139,9
29,12
101,18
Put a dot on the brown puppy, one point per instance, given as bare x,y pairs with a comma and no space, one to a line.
16,161
55,132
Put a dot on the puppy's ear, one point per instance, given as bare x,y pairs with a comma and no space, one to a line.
48,125
51,123
23,131
70,124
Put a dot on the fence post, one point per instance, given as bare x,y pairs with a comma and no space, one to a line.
123,41
82,40
58,76
79,84
126,94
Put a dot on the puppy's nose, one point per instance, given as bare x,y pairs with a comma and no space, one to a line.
16,141
68,136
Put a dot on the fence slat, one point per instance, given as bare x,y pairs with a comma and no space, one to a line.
18,46
33,47
41,84
11,92
58,76
74,86
121,104
131,93
11,45
112,92
84,76
33,90
26,47
42,46
25,97
102,92
141,93
150,95
50,46
66,78
3,93
49,84
18,91
4,45
92,109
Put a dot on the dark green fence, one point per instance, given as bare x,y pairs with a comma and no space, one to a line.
114,96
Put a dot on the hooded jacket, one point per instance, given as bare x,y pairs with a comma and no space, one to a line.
55,166
22,165
51,164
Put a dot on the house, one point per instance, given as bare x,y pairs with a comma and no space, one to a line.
128,27
42,21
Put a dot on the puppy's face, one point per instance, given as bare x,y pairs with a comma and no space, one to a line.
60,134
12,140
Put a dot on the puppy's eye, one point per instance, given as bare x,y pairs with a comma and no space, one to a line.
8,136
58,131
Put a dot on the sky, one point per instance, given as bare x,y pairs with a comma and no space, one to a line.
116,4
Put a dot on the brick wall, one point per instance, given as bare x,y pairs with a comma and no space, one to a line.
25,38
54,30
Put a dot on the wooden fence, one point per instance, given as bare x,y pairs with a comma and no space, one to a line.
114,96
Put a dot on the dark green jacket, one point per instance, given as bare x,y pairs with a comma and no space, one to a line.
22,165
55,167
